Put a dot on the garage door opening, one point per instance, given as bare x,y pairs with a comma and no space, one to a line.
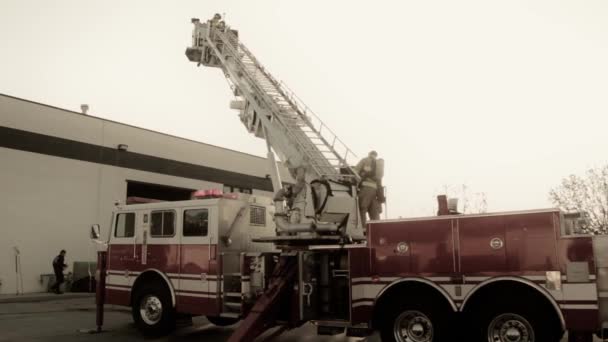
140,192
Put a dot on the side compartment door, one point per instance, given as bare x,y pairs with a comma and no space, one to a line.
482,245
197,290
309,274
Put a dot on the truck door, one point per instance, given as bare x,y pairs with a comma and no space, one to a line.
160,243
324,285
197,289
308,284
122,253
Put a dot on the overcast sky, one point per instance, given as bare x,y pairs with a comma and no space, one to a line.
507,97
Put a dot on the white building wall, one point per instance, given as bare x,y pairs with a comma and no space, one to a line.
48,203
34,117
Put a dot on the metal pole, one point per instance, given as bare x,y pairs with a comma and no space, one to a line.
386,203
16,275
20,275
17,270
101,287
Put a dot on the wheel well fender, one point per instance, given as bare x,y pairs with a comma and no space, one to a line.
511,284
151,275
419,285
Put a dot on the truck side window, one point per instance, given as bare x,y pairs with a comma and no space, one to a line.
125,225
196,222
162,224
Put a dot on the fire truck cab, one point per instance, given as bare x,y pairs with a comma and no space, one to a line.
186,257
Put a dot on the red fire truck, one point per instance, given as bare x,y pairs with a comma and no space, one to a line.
503,277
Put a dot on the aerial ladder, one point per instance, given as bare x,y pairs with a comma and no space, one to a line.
325,190
325,208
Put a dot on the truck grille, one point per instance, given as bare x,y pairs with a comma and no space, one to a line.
257,216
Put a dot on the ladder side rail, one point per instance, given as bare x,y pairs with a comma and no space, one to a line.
301,138
343,159
263,98
285,95
302,109
252,81
333,136
288,96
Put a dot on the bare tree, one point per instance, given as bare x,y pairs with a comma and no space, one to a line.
588,194
470,202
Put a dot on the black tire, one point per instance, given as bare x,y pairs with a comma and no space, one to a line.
147,299
428,322
222,321
526,319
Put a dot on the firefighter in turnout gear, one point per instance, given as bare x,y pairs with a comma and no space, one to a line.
371,194
58,267
285,194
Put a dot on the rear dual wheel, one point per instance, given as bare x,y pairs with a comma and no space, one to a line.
413,322
514,322
494,322
510,327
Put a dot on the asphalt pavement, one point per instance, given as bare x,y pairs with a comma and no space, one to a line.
64,319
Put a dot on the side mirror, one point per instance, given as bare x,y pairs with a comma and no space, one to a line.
95,232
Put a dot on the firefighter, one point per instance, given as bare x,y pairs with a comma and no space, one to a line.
285,194
216,19
58,266
369,188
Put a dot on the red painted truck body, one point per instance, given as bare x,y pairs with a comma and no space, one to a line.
463,264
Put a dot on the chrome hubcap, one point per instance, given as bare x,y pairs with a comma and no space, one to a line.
510,327
151,309
413,326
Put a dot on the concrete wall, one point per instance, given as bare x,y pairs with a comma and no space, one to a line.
34,117
48,203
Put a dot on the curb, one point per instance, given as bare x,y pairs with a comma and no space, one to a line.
44,298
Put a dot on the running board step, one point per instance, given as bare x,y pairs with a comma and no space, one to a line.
264,313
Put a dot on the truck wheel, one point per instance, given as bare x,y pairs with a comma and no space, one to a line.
222,321
152,310
409,322
515,323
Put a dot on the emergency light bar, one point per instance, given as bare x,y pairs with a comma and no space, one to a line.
210,193
213,193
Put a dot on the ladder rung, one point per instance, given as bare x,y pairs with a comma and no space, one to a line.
233,305
229,315
320,152
232,294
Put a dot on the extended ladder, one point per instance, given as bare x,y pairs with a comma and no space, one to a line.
321,149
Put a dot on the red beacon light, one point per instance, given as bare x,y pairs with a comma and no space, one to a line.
233,196
204,194
215,193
